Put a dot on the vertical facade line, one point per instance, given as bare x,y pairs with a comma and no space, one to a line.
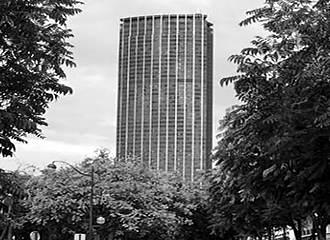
159,90
135,89
168,91
119,97
176,94
143,85
202,95
127,84
185,98
193,100
151,88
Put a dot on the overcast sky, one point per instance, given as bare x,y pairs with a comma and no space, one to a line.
82,122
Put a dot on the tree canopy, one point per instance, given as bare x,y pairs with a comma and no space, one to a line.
33,51
11,192
137,203
273,153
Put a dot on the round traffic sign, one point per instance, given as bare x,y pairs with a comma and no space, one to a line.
35,235
100,220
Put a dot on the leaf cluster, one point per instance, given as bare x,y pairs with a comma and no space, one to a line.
273,154
33,51
136,202
11,193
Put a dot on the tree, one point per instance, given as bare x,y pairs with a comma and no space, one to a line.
275,145
136,202
33,51
200,213
11,193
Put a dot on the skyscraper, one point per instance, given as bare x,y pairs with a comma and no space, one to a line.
165,91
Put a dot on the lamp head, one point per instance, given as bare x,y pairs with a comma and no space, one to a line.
52,165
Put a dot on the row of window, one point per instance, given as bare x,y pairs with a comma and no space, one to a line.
127,30
145,40
164,31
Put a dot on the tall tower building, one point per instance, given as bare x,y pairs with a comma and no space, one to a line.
165,91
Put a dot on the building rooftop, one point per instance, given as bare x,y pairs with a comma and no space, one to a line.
171,15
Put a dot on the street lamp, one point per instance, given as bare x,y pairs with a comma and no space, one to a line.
91,175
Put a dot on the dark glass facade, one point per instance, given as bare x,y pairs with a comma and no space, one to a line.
165,91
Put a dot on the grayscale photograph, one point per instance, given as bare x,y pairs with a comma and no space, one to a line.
164,120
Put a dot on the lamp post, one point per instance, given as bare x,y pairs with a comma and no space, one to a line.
91,175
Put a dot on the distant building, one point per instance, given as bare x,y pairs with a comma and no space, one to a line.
306,232
165,91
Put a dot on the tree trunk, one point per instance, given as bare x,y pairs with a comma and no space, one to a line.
284,232
111,236
269,230
313,235
296,226
322,231
2,236
10,231
9,205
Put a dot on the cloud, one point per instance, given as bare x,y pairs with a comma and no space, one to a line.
41,152
86,120
107,122
50,146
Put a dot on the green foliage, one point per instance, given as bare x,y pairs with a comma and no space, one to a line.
11,192
33,50
9,184
273,155
137,203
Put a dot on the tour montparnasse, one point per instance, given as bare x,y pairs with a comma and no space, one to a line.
165,92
